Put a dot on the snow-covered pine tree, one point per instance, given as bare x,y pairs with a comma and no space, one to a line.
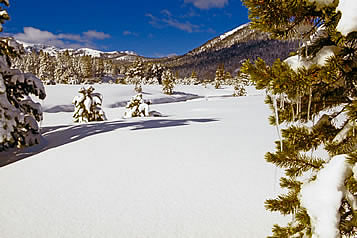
168,82
135,74
88,106
136,107
32,63
46,68
219,79
194,78
86,66
239,87
154,73
315,94
99,67
18,113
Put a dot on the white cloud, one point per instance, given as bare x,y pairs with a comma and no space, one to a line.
96,35
184,26
37,36
207,4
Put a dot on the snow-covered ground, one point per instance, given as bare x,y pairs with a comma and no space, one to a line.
198,171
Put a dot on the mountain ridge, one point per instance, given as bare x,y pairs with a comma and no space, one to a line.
230,49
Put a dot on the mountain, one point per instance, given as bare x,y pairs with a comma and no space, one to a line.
53,51
230,49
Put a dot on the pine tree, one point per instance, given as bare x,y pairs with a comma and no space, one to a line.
168,81
18,113
135,75
155,73
88,106
220,75
239,87
136,107
86,66
315,92
46,68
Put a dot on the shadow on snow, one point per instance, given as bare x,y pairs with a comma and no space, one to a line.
56,136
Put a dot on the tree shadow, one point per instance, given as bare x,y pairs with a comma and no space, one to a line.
56,136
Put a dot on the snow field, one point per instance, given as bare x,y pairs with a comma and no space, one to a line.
197,172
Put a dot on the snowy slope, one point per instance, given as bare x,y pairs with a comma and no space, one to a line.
225,35
238,35
197,172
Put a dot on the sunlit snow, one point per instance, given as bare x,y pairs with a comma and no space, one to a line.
197,171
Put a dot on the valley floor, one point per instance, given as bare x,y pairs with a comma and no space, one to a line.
198,171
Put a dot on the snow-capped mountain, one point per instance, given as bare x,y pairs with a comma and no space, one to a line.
235,36
53,51
231,49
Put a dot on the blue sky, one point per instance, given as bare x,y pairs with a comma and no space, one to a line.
151,28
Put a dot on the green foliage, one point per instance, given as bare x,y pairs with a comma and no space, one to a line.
220,76
168,81
306,100
88,106
136,107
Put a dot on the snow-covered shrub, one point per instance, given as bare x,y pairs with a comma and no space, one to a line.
187,81
18,113
136,107
239,88
88,106
168,82
138,87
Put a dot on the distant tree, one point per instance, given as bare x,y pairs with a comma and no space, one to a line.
239,87
86,66
194,76
168,82
135,75
46,68
155,72
220,76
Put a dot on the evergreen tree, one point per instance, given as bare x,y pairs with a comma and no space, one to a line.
32,63
88,106
135,75
168,81
86,66
194,75
239,87
220,76
155,72
99,67
18,113
315,92
46,68
136,107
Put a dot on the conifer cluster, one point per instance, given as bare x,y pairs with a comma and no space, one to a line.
314,93
19,114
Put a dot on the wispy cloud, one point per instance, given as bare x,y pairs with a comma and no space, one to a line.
207,4
129,33
96,35
158,55
168,20
184,26
37,36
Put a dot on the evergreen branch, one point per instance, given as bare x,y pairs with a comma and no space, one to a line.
285,204
291,184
